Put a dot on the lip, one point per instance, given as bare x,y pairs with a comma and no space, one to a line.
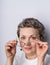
28,48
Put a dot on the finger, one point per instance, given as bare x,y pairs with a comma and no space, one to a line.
38,45
9,45
12,43
7,48
40,42
15,41
45,46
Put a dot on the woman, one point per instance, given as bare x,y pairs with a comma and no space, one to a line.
31,36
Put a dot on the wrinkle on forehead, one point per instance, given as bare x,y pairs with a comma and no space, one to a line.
28,31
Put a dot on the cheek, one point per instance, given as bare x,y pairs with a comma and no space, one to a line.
33,44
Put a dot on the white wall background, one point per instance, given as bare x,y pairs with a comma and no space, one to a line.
13,11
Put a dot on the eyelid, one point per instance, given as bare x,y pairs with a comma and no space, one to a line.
22,37
33,37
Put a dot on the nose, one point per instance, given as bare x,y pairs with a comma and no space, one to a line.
27,42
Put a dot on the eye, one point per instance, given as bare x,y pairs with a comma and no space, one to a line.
22,38
33,38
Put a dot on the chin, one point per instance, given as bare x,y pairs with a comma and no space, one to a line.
27,51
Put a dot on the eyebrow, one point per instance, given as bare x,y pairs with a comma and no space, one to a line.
30,35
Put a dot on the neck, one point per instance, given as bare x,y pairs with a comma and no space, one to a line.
31,56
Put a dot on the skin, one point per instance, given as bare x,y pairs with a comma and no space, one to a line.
30,44
10,48
28,38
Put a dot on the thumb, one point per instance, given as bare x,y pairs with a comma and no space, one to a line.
37,44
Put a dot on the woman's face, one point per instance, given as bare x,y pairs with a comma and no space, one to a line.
27,39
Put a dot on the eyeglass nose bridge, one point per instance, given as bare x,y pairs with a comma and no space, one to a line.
26,42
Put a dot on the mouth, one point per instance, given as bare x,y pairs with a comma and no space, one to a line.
28,48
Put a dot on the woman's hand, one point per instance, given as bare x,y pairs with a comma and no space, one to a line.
41,50
11,49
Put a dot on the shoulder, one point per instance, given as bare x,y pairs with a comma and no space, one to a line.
47,59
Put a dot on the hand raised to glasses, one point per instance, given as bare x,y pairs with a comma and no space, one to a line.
11,48
41,48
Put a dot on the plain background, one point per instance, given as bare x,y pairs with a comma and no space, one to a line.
11,14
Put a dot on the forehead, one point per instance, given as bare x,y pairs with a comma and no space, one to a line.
28,31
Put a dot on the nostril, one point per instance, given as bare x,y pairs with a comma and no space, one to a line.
27,43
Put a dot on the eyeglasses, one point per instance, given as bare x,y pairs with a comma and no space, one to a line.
31,39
